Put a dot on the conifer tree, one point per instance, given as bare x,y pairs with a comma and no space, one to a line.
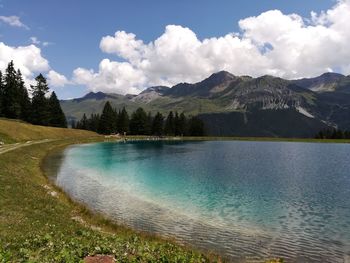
123,121
57,117
157,124
40,107
148,128
138,122
169,128
182,124
23,97
10,98
83,123
177,131
107,121
93,122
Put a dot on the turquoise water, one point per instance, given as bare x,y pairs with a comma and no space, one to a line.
245,200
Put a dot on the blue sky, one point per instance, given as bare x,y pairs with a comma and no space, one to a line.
70,32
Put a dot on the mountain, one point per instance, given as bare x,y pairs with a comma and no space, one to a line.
150,94
240,105
94,102
324,83
206,88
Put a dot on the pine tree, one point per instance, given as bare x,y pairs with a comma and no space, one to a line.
169,128
107,122
148,128
83,123
23,98
182,124
177,131
57,117
10,101
123,121
93,122
40,107
138,122
157,124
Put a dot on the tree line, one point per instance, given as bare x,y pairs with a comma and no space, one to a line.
333,134
112,121
15,102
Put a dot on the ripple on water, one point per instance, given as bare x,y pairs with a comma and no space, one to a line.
237,216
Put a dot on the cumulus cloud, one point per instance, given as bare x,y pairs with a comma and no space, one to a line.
27,58
56,79
31,62
285,45
108,77
13,21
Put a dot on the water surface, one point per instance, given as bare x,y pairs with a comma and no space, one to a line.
246,200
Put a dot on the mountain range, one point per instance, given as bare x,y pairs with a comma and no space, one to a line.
233,105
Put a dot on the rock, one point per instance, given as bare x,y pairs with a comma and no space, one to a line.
99,259
53,194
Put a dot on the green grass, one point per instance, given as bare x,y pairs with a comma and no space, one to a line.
18,131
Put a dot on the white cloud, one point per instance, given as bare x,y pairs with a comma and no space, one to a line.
56,79
108,77
285,45
36,41
13,21
27,58
123,44
301,49
31,62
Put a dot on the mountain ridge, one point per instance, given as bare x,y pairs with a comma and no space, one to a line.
325,99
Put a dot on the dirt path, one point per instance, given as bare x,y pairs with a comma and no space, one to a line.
10,147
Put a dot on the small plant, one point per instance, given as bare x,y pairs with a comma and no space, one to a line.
5,256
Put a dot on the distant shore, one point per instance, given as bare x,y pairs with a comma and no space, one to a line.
223,138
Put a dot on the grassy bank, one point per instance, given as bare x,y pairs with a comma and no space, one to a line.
12,131
38,223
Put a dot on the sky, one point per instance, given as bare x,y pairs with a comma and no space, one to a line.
126,46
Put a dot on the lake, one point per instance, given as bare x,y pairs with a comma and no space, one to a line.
247,201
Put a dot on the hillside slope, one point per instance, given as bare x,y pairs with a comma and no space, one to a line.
18,131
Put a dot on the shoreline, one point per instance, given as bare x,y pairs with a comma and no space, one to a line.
223,138
114,223
80,182
96,224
